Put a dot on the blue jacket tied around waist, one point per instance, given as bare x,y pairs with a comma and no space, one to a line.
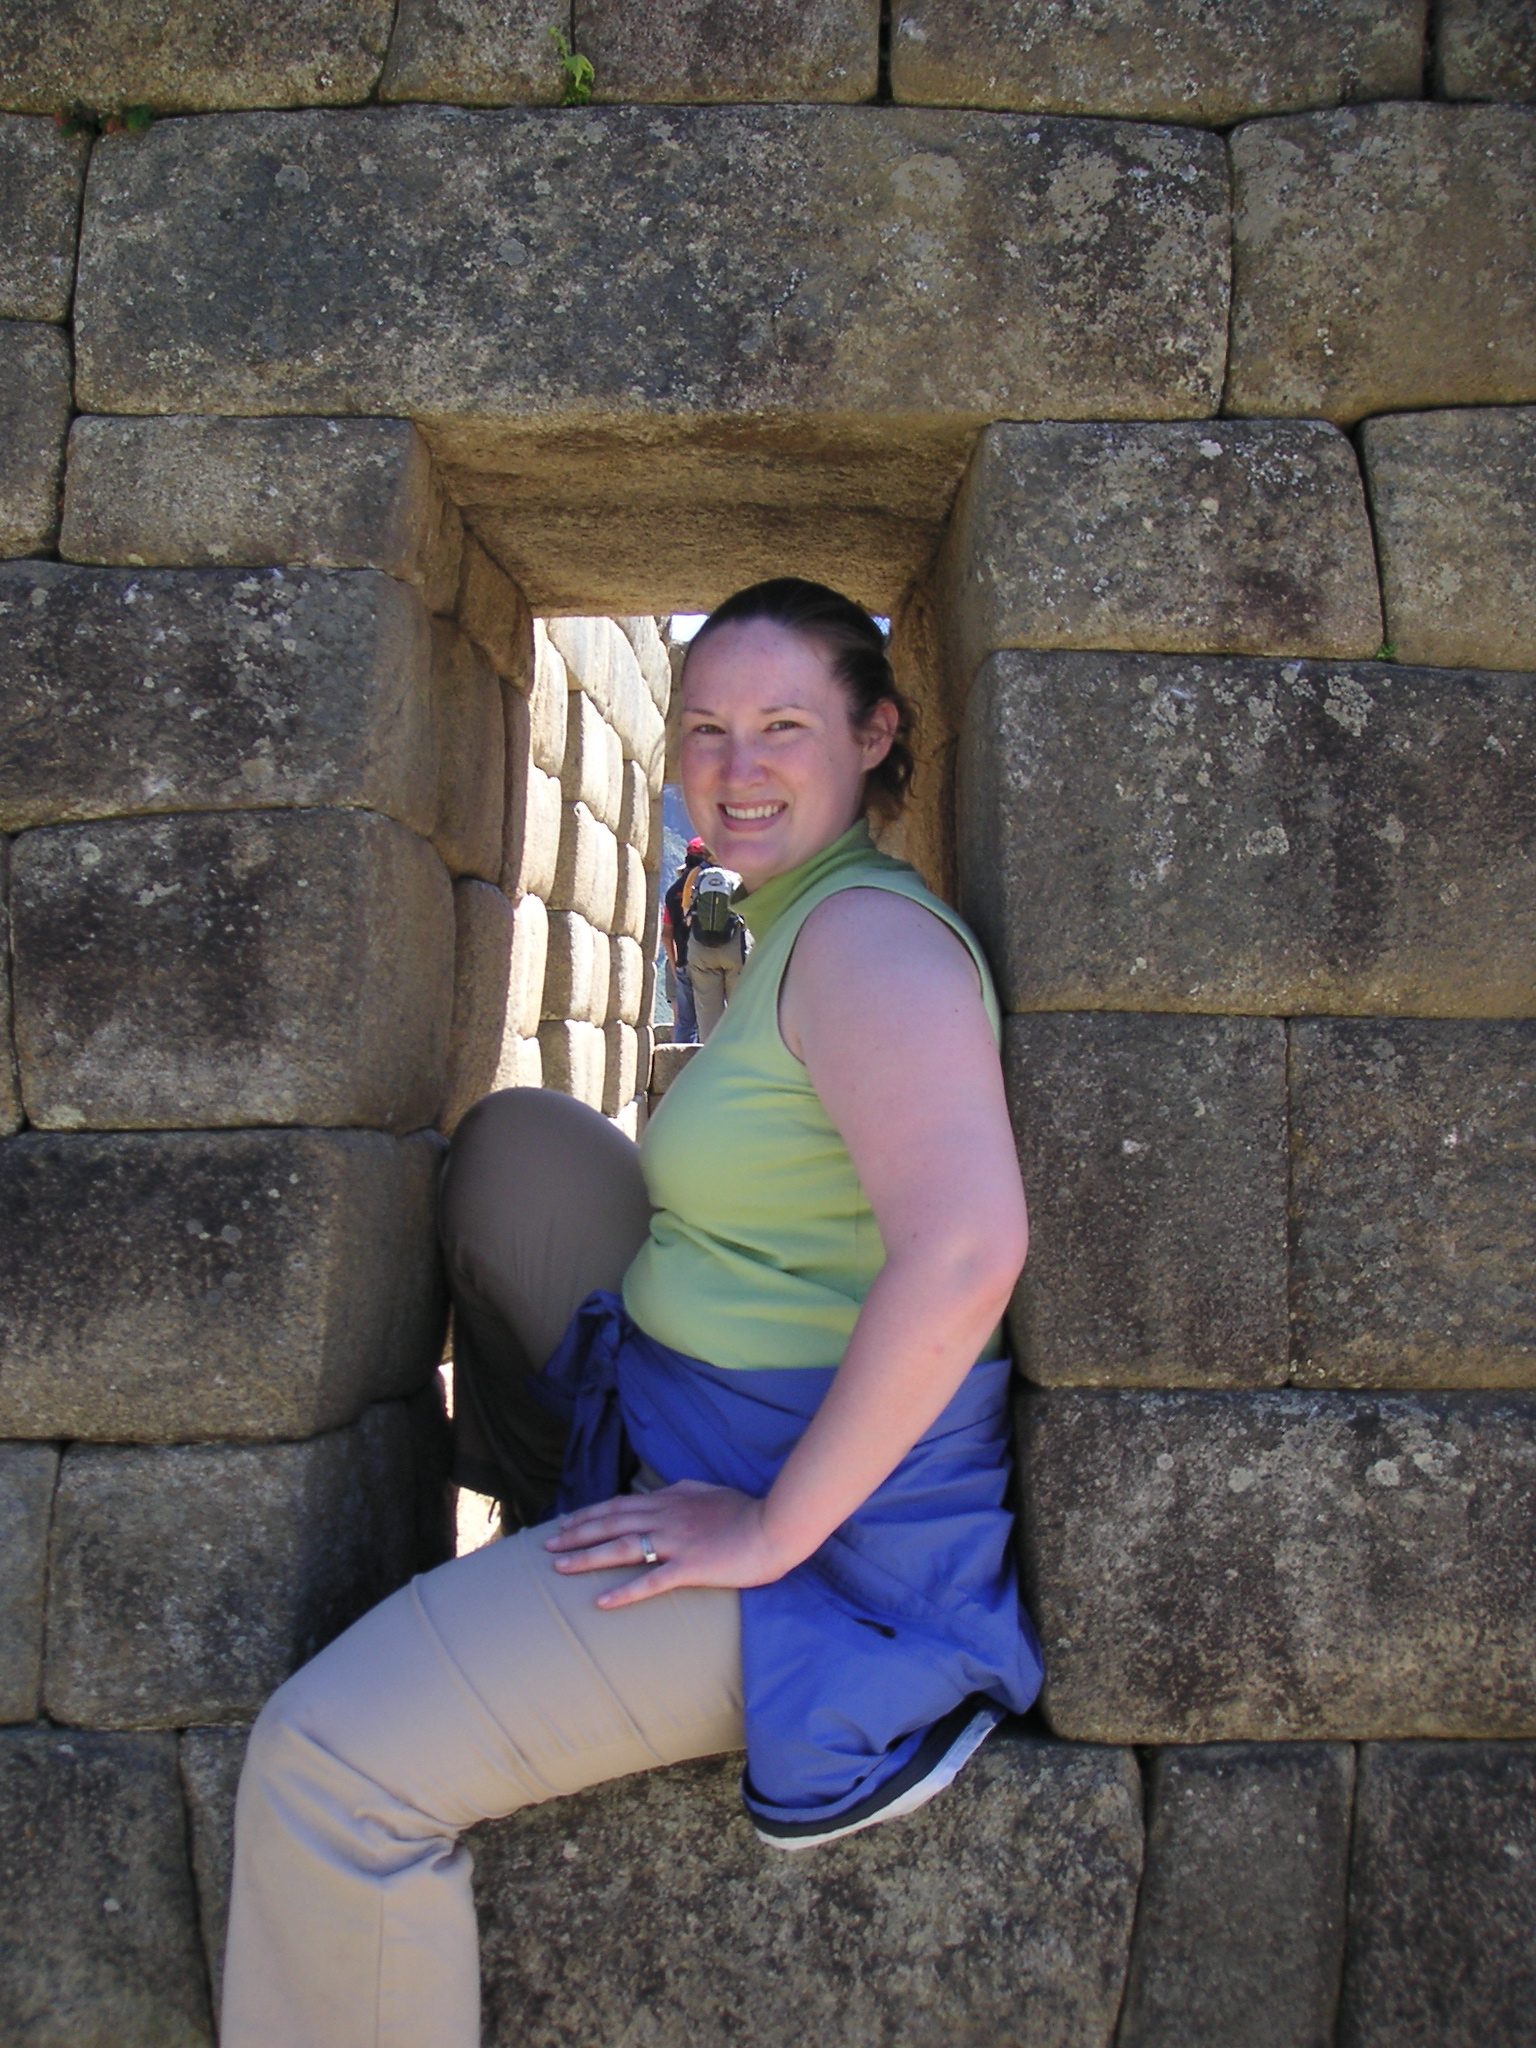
857,1658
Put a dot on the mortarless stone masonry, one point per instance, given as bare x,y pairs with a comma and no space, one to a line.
1154,1152
187,1582
194,689
1454,500
1278,837
101,1946
628,358
28,1473
1412,1144
1148,60
282,967
34,418
267,1284
1281,1566
1383,260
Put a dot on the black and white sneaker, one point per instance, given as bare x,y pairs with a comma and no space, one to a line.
937,1761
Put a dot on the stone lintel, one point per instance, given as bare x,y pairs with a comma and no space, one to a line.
899,263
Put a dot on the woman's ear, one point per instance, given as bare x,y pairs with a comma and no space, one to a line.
877,735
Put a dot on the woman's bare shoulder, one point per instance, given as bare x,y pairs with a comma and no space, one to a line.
873,961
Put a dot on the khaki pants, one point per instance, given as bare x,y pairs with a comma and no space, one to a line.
714,972
490,1684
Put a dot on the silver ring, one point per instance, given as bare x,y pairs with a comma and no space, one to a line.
648,1550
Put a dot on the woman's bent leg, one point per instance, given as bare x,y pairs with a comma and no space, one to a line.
488,1685
542,1202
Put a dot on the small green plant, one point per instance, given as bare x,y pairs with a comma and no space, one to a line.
1387,651
79,119
578,71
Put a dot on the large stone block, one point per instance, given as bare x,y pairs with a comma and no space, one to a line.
1240,1925
626,982
482,968
1442,1897
587,869
210,1777
267,967
999,1914
101,1946
34,419
330,494
1154,1153
1454,498
1237,538
167,689
644,637
548,702
531,849
185,1583
479,53
573,1059
522,1063
471,756
184,58
525,979
495,614
569,971
262,1283
731,50
1383,260
42,173
1148,60
621,1067
1252,836
1484,50
1000,264
635,810
667,1062
10,1086
27,1476
1281,1566
632,896
593,770
1411,1203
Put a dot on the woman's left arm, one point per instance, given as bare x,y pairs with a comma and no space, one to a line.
881,1002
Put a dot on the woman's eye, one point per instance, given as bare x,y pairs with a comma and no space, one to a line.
786,725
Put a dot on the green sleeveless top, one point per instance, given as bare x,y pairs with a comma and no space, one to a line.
763,1244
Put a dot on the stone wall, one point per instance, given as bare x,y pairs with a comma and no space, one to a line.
1172,381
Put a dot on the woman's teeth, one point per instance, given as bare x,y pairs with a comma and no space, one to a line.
751,810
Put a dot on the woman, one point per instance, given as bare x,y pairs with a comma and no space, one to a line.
781,1464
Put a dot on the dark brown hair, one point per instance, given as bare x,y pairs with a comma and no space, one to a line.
857,649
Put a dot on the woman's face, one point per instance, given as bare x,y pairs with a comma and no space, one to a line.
773,767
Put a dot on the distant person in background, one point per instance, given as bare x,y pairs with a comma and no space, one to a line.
674,936
717,942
